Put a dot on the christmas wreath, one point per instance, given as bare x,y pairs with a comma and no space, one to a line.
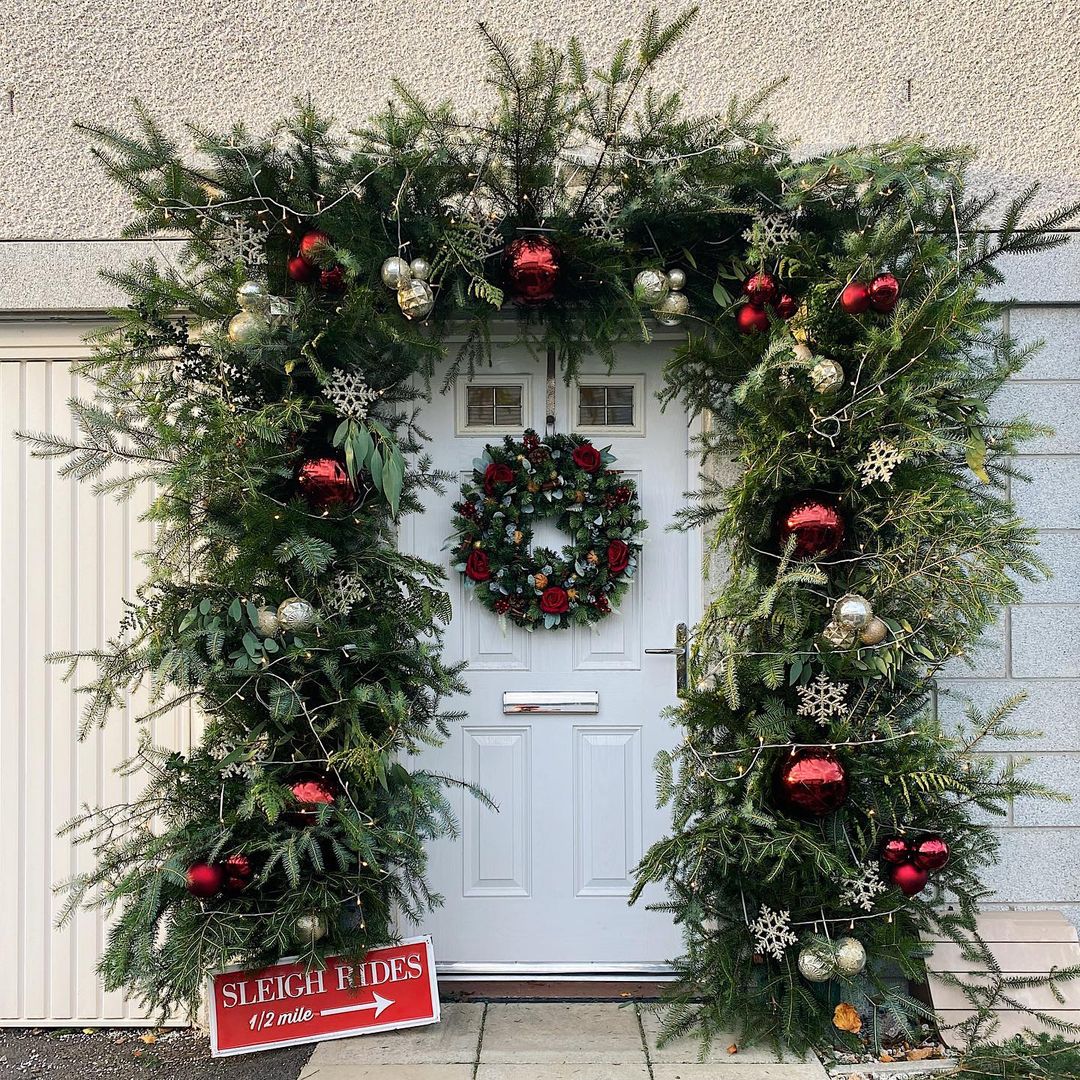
521,482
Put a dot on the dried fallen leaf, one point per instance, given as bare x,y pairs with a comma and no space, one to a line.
732,1049
886,1058
921,1053
149,1038
847,1018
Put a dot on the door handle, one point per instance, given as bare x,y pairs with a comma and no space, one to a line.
679,650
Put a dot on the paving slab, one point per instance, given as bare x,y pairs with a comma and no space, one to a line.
807,1070
555,1071
420,1071
561,1033
687,1050
452,1041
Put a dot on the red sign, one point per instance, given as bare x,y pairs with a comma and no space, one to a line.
286,1004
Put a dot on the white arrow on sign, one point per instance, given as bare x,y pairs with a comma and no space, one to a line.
380,1005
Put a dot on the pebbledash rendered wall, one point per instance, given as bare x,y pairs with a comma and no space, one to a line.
1002,75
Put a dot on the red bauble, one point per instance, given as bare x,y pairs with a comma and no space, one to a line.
300,269
312,246
897,850
531,264
909,878
760,289
751,320
786,305
238,873
310,794
855,298
810,781
931,853
324,483
205,880
815,522
884,292
333,279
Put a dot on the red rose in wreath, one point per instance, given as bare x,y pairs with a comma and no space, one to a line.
478,566
496,474
554,601
618,556
587,457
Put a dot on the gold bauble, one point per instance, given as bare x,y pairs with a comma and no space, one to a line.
852,612
672,309
296,614
676,278
420,269
395,272
267,622
415,299
651,286
308,929
875,632
827,375
816,964
838,636
247,327
252,296
850,957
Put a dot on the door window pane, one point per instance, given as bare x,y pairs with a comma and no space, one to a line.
493,406
606,406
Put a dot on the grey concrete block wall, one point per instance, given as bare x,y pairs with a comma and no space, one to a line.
1035,649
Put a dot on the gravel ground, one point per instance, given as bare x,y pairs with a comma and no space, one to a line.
123,1053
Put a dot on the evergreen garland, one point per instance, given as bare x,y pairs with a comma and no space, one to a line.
222,421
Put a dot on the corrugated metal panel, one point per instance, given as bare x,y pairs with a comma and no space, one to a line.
67,560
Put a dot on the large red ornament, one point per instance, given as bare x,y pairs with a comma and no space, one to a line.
205,879
312,246
531,264
815,522
238,873
751,320
810,781
897,850
884,292
855,298
310,794
931,853
760,289
909,878
324,482
786,305
300,269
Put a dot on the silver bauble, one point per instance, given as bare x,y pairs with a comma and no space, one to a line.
308,929
853,612
420,269
875,632
295,614
247,327
672,309
837,636
650,287
395,271
850,957
816,965
252,296
279,309
267,622
415,299
676,278
827,375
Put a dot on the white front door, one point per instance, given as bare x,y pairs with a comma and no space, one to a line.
543,883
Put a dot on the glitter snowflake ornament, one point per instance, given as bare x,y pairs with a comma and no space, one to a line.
601,224
237,241
822,699
880,462
772,932
351,396
343,593
770,233
859,891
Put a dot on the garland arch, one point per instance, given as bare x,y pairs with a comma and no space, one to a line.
838,333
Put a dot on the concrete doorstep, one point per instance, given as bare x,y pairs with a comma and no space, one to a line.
545,1041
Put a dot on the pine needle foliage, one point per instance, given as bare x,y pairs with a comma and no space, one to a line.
624,180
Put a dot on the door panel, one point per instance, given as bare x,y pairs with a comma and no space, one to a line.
543,882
